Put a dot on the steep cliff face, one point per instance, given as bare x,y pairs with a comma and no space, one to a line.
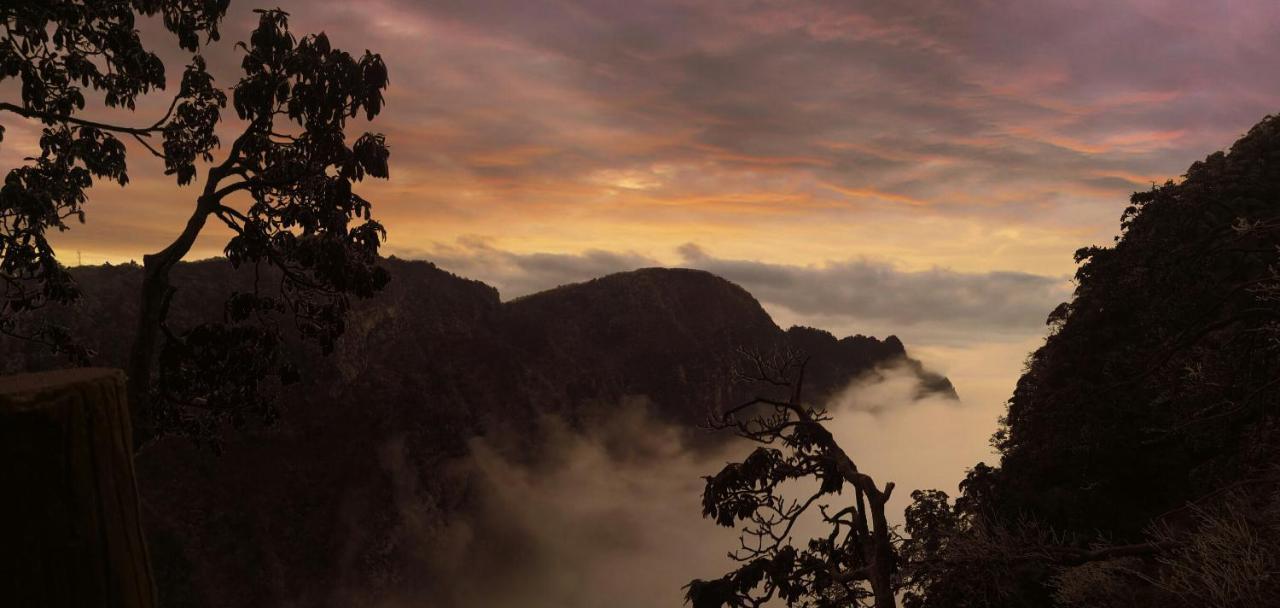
320,507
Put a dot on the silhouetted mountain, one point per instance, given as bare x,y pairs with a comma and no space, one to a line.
323,505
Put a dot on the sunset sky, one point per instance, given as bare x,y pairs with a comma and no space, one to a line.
924,168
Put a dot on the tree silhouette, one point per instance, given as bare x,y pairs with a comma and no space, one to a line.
284,190
835,570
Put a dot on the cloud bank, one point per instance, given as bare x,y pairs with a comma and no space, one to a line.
609,514
861,290
833,294
518,275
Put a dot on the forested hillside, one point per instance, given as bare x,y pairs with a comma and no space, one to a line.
1138,458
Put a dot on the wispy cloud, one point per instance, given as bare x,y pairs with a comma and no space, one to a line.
863,290
517,274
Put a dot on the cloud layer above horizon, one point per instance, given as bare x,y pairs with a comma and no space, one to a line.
980,136
995,135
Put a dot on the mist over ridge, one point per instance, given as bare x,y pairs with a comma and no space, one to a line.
371,452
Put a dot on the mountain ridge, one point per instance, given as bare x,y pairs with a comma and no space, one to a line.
321,504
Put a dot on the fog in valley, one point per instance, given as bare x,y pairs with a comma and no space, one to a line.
609,514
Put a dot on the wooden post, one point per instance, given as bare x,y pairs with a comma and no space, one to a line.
69,526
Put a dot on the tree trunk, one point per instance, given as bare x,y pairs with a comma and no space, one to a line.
69,521
156,291
883,564
882,559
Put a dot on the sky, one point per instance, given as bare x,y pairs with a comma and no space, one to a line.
924,168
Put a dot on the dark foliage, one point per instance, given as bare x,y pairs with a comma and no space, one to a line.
284,189
1155,397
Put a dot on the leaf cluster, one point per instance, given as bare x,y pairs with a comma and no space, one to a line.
303,227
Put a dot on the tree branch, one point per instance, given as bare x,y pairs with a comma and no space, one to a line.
49,117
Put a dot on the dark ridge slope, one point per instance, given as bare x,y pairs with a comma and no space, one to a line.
1152,411
1159,384
670,335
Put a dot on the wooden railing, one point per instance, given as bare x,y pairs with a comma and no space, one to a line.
69,529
